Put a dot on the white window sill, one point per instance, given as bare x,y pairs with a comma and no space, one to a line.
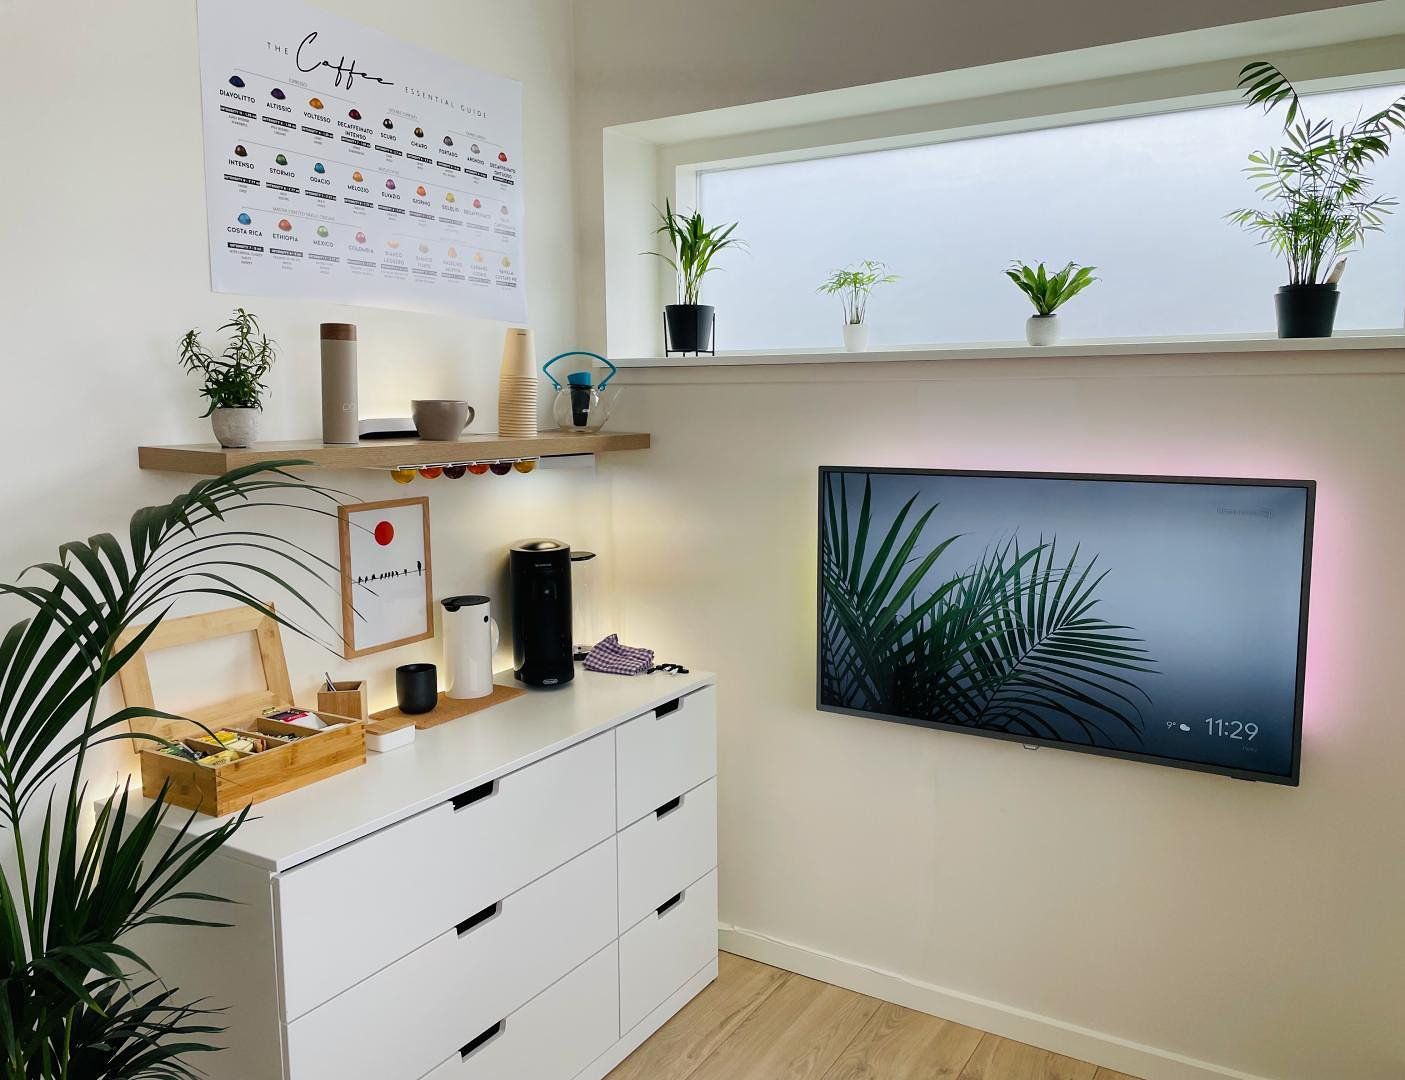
1097,347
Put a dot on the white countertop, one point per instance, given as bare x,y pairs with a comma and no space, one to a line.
441,763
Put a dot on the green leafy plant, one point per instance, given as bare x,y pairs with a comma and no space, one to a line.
1049,292
1316,187
1010,644
853,285
693,246
76,1001
236,378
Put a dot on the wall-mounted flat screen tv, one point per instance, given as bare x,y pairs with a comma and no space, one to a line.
1158,618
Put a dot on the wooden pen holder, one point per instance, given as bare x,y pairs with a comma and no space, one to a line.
348,699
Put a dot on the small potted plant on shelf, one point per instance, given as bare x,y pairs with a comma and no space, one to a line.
690,327
1048,292
233,382
853,285
1318,197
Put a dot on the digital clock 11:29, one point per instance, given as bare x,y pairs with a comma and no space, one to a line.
1231,729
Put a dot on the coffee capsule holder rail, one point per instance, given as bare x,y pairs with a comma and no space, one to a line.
457,470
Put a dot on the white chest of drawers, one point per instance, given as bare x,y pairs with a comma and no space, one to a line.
523,895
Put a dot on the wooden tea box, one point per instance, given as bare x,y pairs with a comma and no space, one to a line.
277,766
259,776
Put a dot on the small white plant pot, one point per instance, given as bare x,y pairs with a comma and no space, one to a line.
1042,329
856,337
235,427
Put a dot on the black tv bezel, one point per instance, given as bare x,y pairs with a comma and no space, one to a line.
1290,779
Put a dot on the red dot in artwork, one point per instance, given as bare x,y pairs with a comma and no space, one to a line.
385,533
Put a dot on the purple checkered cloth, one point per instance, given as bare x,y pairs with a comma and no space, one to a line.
613,658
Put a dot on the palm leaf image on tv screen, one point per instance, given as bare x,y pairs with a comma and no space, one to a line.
1012,642
1154,617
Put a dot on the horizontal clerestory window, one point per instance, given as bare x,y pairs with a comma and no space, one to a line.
1142,199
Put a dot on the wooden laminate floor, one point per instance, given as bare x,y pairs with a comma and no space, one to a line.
761,1023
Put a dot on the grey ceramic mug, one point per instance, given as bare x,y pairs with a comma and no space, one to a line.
441,419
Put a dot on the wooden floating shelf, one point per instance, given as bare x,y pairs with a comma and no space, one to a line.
209,459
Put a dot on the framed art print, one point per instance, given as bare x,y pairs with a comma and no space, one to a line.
386,581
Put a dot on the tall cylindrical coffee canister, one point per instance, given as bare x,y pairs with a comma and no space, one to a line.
340,416
517,385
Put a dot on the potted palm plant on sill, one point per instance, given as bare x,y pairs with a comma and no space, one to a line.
854,285
1317,192
690,326
233,383
79,1003
1048,292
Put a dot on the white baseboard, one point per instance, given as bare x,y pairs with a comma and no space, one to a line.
1109,1051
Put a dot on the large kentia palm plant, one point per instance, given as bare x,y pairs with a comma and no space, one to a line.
76,1003
1011,644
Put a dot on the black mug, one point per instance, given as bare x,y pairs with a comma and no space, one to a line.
416,688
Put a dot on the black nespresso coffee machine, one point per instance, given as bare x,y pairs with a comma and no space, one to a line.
541,612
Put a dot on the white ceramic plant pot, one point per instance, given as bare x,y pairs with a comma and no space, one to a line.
856,337
235,427
1041,329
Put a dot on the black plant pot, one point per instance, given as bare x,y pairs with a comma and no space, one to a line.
1306,310
689,328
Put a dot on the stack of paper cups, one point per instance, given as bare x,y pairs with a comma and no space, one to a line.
517,385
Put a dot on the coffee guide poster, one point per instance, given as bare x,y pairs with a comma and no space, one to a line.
344,165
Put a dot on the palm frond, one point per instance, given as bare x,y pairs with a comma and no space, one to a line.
69,1005
1263,84
1051,659
1013,643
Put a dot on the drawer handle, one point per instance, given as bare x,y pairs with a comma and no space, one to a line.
667,707
669,904
473,795
479,918
480,1041
668,807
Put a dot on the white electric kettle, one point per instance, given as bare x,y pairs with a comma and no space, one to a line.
470,639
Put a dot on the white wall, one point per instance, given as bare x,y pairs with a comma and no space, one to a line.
105,265
1245,925
669,57
1166,923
